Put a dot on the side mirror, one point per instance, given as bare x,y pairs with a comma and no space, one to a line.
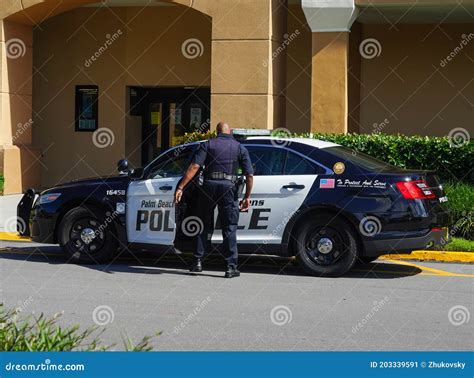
136,173
123,166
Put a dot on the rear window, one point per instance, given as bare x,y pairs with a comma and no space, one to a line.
359,159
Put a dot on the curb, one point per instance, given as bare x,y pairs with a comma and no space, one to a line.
440,256
13,236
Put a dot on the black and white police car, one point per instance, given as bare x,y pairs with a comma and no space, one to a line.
323,203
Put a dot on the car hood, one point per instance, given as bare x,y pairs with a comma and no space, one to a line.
110,181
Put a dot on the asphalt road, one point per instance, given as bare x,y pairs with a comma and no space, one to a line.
386,305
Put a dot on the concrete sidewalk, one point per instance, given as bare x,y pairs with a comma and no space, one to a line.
8,206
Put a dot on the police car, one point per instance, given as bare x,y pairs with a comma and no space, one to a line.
323,203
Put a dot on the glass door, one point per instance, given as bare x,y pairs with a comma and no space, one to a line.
167,115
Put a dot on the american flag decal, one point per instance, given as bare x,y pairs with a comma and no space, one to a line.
326,183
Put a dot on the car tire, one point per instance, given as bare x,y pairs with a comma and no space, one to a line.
86,236
327,247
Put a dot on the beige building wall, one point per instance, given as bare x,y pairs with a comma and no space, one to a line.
410,86
247,83
298,72
146,51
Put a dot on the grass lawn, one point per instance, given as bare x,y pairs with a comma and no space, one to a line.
458,244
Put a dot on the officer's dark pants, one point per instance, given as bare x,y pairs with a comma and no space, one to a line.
220,193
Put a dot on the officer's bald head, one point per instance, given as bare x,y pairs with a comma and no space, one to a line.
223,128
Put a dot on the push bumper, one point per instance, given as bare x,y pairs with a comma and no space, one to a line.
406,243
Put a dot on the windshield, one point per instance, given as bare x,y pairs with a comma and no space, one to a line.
359,159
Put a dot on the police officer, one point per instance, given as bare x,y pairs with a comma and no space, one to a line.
221,157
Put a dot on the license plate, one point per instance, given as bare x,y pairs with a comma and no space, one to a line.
443,199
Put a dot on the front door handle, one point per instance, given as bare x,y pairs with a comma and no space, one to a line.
166,187
293,186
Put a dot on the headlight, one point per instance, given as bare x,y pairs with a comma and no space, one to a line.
47,198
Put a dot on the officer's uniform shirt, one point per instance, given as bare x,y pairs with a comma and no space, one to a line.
244,159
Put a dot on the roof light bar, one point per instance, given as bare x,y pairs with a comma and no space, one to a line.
251,132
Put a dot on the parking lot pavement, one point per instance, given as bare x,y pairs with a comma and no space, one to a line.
387,305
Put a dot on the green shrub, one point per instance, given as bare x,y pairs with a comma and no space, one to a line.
461,204
41,334
415,152
2,181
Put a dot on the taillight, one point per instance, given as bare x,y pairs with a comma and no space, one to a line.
415,190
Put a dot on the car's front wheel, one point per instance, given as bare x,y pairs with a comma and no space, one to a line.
326,247
86,236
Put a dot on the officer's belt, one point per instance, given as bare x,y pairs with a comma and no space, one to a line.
220,176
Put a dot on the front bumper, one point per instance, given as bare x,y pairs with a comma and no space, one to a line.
42,229
407,242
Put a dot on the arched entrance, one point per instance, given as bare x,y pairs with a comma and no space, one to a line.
72,51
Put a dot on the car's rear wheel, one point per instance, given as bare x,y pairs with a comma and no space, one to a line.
86,237
326,247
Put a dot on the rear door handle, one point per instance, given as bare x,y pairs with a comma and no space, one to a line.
293,186
166,187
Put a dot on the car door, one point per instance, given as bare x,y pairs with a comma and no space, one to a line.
282,181
150,202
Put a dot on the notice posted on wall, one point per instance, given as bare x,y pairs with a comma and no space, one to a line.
195,118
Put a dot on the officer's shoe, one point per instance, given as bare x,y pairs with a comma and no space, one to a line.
231,272
196,267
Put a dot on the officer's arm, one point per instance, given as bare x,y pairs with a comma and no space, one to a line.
188,176
193,168
247,168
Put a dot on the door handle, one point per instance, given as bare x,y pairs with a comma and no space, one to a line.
166,187
293,186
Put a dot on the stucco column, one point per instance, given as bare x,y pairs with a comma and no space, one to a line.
246,74
330,23
329,101
18,159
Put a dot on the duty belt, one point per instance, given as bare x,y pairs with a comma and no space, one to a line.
220,176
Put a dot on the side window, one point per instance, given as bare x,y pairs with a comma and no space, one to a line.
267,161
298,165
173,164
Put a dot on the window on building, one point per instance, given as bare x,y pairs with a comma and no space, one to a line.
87,109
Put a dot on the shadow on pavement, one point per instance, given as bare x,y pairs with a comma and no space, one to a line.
172,263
